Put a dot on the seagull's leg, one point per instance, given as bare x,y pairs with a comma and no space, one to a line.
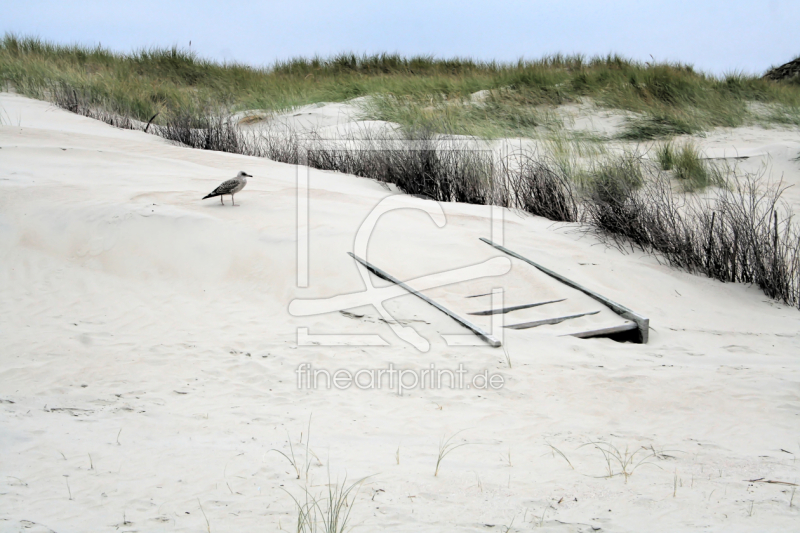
234,203
220,200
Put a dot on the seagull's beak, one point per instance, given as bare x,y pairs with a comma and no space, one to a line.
249,175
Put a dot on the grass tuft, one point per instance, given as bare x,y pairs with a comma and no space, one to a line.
445,447
665,155
622,463
689,164
656,126
691,169
329,512
743,233
539,187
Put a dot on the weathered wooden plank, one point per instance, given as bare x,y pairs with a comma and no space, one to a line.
627,326
479,295
642,323
493,341
545,321
505,310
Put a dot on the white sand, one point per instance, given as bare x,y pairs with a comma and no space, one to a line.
325,120
148,360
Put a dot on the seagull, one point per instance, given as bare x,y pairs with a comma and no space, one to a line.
231,186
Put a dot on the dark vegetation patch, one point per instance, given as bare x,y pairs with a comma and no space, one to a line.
787,72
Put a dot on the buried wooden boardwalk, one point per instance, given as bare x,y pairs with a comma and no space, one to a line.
633,326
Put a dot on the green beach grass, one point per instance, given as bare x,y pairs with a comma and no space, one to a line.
666,98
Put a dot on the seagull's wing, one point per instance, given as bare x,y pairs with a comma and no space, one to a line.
225,188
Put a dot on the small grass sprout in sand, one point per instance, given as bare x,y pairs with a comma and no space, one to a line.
675,484
620,462
328,513
541,519
445,447
208,524
507,458
507,356
480,484
555,450
293,460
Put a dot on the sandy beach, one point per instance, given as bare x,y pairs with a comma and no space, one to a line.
149,374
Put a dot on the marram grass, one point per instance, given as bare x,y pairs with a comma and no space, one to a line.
666,99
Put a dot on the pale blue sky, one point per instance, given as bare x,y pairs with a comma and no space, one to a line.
715,36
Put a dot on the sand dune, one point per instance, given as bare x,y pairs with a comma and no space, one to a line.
149,357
